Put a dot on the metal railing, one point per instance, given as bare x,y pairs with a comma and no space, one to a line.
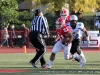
18,38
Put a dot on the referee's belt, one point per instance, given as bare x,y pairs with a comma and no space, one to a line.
36,32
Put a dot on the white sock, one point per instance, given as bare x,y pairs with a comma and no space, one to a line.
83,57
82,54
50,63
74,55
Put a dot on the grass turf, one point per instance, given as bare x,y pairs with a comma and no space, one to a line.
20,61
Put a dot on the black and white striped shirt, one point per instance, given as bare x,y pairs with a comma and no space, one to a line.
40,24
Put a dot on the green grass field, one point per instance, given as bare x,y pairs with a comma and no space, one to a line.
20,61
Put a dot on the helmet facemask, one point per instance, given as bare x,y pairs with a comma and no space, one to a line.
64,13
64,16
59,22
73,21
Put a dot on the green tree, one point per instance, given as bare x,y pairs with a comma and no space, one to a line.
23,17
98,7
31,4
74,5
55,5
85,5
8,10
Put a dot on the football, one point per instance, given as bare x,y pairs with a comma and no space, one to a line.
65,39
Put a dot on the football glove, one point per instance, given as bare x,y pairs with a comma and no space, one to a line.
54,42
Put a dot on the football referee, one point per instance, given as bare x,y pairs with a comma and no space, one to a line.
39,29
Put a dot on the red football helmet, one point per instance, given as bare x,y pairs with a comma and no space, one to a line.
64,13
60,22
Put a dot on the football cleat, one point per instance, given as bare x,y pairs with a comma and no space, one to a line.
44,66
48,67
82,62
33,64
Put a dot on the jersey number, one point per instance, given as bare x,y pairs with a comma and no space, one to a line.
65,29
76,36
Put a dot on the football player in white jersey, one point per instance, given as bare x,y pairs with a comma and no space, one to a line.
97,23
76,29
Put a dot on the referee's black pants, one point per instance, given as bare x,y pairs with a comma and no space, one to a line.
38,42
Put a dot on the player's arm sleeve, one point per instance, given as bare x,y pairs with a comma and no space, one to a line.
97,23
82,27
84,30
87,35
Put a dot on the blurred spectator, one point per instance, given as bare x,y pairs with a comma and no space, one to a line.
25,33
97,22
5,36
80,16
12,36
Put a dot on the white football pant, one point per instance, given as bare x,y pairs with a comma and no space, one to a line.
59,46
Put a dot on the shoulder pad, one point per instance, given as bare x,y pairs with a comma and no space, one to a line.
80,25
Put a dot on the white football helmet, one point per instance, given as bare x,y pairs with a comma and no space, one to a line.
73,17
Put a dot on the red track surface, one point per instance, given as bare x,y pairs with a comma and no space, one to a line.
13,71
30,50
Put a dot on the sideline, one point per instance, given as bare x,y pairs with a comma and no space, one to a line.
31,50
